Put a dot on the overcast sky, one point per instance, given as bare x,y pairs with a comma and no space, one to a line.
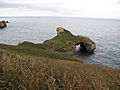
66,8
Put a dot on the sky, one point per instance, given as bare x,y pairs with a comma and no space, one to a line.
61,8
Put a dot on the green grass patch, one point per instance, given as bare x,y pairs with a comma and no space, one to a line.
38,52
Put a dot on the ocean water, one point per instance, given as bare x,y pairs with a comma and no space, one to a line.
105,32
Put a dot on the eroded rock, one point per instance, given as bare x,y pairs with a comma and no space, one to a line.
66,41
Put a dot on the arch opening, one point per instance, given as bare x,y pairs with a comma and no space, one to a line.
80,47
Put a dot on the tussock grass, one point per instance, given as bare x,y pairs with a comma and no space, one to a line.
24,72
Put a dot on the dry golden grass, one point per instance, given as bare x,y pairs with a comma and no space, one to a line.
23,72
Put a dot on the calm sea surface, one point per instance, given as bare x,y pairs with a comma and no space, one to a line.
106,34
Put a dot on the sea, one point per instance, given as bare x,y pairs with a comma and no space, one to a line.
104,32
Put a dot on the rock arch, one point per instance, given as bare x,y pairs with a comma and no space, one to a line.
66,41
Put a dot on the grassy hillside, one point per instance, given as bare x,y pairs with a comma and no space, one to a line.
30,50
32,72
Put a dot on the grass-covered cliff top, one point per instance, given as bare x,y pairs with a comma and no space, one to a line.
63,37
26,72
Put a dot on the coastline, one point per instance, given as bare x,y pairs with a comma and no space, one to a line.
28,66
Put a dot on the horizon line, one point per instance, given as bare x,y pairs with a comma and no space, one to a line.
56,17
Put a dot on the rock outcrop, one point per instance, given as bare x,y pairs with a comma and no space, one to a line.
3,24
65,41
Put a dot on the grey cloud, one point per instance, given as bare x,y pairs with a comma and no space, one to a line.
9,5
41,6
52,7
117,1
45,6
31,6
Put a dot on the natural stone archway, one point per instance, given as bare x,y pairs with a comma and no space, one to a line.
66,41
80,47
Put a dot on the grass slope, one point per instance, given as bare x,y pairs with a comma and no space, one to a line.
26,72
28,50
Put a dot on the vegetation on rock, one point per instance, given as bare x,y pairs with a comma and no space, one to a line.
66,41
